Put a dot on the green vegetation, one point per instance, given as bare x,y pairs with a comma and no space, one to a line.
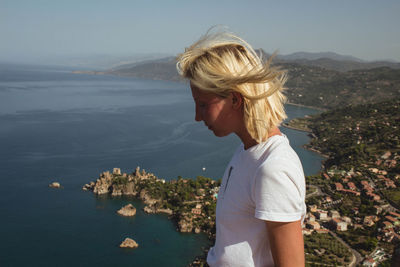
120,180
393,195
325,248
363,240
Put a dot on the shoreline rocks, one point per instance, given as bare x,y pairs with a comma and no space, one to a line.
88,186
128,210
185,225
152,210
129,243
149,209
146,198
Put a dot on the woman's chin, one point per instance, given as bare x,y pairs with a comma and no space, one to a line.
219,134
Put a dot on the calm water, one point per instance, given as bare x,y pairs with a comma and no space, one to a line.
57,126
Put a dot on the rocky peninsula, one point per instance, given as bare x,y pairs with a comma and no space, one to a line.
189,202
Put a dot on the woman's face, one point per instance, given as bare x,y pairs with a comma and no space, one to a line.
215,111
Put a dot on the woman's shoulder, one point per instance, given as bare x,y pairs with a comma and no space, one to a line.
277,146
278,154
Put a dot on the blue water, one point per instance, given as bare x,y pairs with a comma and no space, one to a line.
59,126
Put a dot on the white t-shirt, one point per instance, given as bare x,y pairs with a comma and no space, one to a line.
264,182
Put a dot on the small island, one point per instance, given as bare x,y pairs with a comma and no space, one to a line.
55,185
127,211
129,243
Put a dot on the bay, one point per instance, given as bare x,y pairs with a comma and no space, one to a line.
59,126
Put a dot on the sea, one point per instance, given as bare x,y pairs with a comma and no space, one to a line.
57,126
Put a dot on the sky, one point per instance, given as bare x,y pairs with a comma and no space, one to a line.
35,30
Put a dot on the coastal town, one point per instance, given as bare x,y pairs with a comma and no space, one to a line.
356,197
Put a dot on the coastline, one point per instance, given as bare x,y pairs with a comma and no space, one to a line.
286,125
306,146
305,106
316,151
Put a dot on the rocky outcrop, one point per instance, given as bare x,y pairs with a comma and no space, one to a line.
152,209
119,184
185,225
89,186
165,211
143,175
147,199
117,171
103,184
128,210
128,243
149,209
127,189
55,185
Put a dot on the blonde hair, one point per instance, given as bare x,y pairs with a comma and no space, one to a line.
223,62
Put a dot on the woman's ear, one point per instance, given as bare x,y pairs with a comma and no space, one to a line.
237,100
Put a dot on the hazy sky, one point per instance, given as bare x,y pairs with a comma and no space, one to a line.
31,29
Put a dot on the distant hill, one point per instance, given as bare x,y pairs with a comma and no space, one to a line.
330,61
326,60
160,69
324,82
169,59
323,88
315,56
345,65
101,62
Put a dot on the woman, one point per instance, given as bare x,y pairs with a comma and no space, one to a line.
260,203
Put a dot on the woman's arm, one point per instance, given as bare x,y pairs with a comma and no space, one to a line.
287,245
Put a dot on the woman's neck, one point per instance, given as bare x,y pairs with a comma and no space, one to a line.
248,141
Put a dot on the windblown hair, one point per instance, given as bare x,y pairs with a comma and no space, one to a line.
221,63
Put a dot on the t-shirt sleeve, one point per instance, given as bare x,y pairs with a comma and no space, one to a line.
277,192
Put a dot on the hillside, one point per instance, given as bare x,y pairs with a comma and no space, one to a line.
330,61
344,65
357,134
307,85
313,86
162,69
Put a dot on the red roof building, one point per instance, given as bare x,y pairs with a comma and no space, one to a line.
351,186
373,196
339,186
394,214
